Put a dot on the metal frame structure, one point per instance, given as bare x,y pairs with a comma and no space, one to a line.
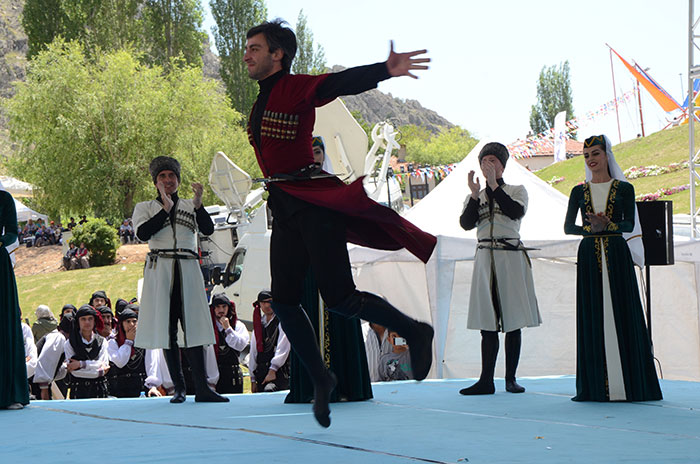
693,155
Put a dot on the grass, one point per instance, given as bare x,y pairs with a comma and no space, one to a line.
56,289
661,148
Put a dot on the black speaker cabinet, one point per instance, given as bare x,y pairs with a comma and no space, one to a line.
656,219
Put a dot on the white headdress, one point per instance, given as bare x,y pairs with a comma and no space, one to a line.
634,238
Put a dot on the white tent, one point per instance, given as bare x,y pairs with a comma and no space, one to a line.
16,187
25,213
439,290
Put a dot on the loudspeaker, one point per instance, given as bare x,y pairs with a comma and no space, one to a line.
656,219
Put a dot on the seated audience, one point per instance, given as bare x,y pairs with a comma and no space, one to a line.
68,262
81,258
126,232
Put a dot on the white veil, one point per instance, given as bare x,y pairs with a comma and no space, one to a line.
634,238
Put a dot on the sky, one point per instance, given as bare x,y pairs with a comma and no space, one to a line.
487,55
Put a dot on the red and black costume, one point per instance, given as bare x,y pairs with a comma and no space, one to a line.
314,219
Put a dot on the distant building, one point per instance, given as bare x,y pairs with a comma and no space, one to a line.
544,156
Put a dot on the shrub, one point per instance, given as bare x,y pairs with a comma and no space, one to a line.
101,240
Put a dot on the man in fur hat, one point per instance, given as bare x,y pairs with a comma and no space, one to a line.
174,309
502,293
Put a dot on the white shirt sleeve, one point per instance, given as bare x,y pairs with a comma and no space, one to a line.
212,369
152,379
119,355
239,338
29,349
252,356
49,357
282,350
163,372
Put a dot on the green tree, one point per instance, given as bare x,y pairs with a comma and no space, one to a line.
449,146
87,129
98,24
173,28
553,96
233,19
307,60
43,21
416,140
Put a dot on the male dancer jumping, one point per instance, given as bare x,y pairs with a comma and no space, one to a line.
315,214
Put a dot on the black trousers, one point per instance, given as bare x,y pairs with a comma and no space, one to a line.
87,388
312,236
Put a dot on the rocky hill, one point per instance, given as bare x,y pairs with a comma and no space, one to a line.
376,106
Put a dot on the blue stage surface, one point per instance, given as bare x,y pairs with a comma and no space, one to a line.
406,422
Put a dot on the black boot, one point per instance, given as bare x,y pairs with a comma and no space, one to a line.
172,359
301,335
203,393
489,353
513,343
419,335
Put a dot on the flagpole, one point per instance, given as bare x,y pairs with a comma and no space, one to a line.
617,113
639,99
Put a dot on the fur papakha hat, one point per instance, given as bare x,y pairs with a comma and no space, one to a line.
164,163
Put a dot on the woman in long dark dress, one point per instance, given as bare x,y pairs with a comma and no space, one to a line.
343,351
614,361
342,347
14,392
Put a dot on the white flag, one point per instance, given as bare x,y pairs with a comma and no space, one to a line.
560,137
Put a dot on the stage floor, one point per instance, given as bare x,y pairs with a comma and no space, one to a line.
405,422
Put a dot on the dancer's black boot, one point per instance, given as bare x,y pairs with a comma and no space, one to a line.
203,393
419,335
174,363
301,335
513,343
489,353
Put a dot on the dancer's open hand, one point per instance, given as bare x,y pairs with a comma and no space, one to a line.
167,200
401,64
599,222
198,190
474,185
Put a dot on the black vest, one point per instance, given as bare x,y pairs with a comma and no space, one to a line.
270,336
226,356
135,365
